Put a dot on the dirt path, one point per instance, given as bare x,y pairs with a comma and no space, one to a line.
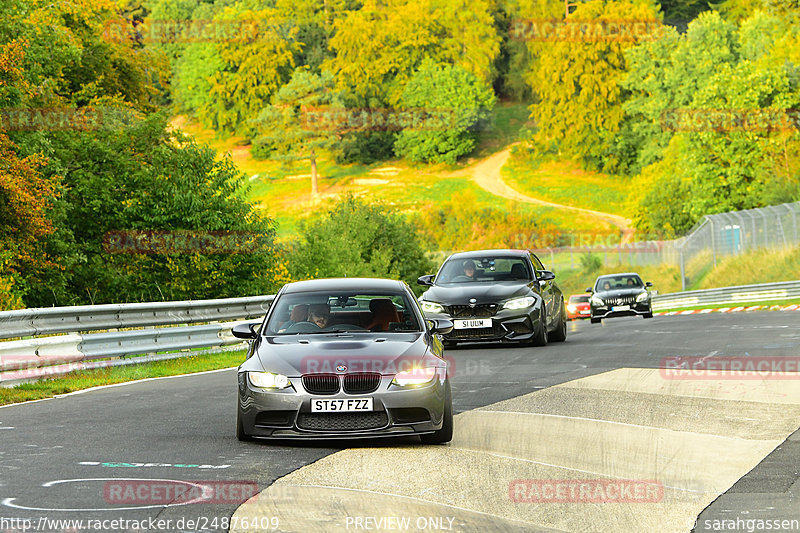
486,174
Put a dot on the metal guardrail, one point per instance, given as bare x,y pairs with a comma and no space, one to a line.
783,290
72,348
37,357
54,320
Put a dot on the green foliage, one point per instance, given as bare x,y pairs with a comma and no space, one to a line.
356,239
225,82
458,101
591,263
143,178
379,46
580,108
289,127
717,136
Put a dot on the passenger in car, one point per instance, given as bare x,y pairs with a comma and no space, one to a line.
299,314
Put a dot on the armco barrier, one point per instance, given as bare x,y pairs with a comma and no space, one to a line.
134,332
782,290
73,348
54,320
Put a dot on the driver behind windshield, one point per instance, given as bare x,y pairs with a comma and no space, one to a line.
469,268
320,314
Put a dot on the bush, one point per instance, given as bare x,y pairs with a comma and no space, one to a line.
457,98
355,239
591,263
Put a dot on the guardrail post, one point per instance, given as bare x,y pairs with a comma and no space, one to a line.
683,272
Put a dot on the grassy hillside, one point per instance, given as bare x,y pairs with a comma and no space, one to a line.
564,182
282,189
762,266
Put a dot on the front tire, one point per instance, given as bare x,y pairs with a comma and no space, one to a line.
446,433
560,333
594,320
648,315
541,336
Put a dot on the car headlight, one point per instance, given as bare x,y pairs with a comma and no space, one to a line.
571,308
432,307
520,303
642,297
597,301
268,380
414,377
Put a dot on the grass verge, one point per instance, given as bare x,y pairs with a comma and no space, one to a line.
85,379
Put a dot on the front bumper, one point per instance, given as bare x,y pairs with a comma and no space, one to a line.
635,309
286,414
508,326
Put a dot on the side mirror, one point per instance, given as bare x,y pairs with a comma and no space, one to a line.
648,284
589,290
244,331
442,326
425,280
544,275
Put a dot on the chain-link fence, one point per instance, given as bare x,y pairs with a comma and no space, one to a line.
734,233
713,237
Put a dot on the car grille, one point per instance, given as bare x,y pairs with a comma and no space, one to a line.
478,311
620,300
342,421
361,383
321,383
496,331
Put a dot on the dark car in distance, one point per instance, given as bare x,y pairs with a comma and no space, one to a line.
344,358
620,295
496,295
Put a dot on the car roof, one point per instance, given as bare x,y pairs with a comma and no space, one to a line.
345,284
482,253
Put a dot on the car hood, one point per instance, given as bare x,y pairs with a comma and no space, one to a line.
460,293
294,355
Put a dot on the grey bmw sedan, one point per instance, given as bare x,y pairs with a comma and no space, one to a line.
344,358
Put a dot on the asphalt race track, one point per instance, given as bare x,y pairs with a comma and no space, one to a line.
595,410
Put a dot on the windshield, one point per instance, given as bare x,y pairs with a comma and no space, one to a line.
484,269
617,282
579,299
327,312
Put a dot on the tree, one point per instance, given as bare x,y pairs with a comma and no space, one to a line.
25,204
304,118
355,239
457,101
226,81
379,46
577,79
726,107
141,183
